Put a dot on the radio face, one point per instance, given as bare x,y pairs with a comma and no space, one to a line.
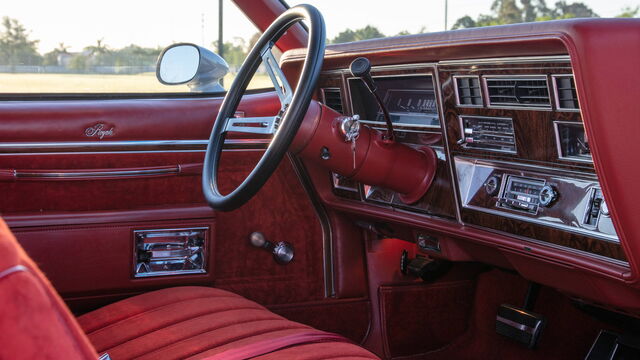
488,133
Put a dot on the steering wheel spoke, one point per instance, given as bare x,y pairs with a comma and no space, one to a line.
253,125
284,125
280,83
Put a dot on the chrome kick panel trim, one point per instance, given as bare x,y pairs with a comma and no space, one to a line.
325,224
130,146
164,252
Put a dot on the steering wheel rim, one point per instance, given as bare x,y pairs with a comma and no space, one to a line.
283,126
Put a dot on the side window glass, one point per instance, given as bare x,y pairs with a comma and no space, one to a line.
113,49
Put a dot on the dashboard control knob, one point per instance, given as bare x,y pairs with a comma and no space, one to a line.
547,195
492,185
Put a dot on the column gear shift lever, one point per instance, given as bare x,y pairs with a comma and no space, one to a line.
361,68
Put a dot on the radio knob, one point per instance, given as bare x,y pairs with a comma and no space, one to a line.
547,195
492,185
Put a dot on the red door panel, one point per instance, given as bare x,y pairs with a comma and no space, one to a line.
78,177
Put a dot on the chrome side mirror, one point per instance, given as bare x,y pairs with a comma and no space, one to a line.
193,65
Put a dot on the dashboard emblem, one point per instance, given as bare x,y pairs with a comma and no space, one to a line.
99,131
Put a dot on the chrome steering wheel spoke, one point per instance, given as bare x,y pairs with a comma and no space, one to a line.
280,83
253,125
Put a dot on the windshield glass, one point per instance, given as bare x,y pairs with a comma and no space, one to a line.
365,19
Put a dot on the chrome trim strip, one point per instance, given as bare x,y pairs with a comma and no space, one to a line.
445,134
13,269
551,245
507,60
325,224
96,174
137,145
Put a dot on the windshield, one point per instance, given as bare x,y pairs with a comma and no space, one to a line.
365,19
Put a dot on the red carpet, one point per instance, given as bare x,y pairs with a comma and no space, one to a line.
568,334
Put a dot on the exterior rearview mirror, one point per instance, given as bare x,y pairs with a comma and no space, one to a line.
193,65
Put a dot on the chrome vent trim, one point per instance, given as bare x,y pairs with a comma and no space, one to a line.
332,97
468,91
566,95
530,91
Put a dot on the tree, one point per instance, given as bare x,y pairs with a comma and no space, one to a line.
573,10
367,32
51,58
15,46
508,12
629,12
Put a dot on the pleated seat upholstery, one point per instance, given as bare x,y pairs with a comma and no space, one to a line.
195,323
175,323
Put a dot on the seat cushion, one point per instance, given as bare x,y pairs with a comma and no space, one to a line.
195,323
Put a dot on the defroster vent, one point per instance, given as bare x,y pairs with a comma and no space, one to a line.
567,97
332,97
518,91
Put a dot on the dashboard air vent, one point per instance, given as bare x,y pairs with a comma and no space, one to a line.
525,91
332,97
567,97
468,90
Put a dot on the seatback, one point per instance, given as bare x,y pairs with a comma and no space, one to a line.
34,322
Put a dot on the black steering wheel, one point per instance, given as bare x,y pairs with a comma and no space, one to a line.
282,126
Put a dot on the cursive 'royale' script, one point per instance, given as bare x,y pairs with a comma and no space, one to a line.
99,131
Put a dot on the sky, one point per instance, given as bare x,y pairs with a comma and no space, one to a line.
153,23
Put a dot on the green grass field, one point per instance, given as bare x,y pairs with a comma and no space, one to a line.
95,83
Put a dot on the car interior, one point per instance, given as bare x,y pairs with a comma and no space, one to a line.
428,196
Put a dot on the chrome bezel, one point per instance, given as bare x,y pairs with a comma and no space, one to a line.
500,211
464,145
429,74
561,156
457,92
205,249
556,98
324,97
526,77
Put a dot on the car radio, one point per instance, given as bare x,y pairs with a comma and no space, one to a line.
488,133
521,193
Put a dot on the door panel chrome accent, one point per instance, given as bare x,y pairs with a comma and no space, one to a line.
162,252
126,146
256,125
96,174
